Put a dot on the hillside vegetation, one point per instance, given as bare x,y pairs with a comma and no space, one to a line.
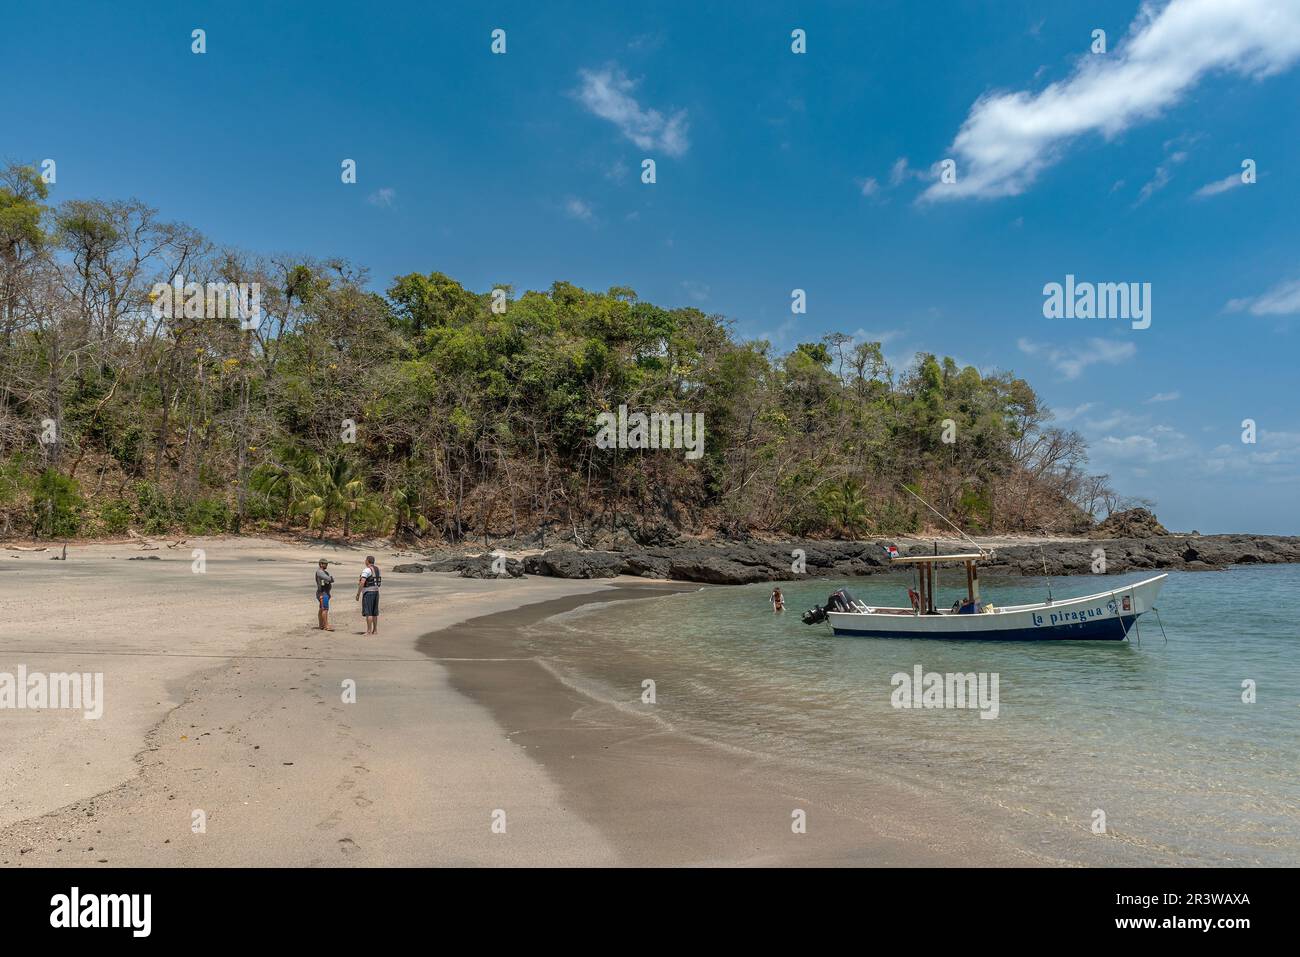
423,412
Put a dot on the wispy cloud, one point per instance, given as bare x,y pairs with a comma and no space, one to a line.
382,197
899,173
1009,138
607,93
902,171
1165,397
699,291
1282,300
1160,443
579,209
1164,172
1071,362
884,337
1231,181
1067,415
616,172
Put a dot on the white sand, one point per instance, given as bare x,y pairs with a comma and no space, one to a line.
222,696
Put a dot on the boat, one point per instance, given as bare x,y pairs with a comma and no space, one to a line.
1104,616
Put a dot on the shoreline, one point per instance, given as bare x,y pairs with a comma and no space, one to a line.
662,797
222,697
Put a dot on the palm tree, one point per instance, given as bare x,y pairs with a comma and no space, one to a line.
336,486
845,504
407,522
286,477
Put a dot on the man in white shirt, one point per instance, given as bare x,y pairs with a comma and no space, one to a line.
368,594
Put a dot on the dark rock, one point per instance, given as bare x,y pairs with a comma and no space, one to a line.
743,562
409,567
646,566
659,535
481,566
574,564
446,564
1131,523
717,571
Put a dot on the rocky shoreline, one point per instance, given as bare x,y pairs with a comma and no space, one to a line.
739,563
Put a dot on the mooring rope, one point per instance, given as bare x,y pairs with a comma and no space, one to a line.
943,518
1160,623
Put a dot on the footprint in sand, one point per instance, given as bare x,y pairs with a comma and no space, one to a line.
331,822
348,846
362,801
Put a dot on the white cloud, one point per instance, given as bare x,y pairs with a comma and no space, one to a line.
1071,362
1165,397
699,291
1160,180
1160,444
608,94
382,197
901,172
1066,415
1231,181
579,209
1009,138
1117,419
1274,456
1282,300
884,338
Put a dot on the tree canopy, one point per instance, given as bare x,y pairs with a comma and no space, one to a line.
437,411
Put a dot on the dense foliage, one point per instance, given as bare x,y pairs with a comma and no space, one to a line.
465,421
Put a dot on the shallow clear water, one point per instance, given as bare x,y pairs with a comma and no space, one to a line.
1154,734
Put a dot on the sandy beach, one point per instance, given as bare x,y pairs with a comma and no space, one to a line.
221,697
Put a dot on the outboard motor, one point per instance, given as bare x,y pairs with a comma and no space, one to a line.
814,615
838,601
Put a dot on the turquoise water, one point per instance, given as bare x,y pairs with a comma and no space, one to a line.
1155,734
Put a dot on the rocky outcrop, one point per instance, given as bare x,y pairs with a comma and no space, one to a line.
467,566
571,563
486,566
739,563
1131,523
746,562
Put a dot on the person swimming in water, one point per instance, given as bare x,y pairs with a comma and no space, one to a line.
777,600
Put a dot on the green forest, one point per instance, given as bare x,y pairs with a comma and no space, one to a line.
433,412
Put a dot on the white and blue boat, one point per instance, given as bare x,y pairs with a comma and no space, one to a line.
1104,616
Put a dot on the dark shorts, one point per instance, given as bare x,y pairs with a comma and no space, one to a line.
324,600
370,604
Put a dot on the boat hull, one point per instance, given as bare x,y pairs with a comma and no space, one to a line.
1107,616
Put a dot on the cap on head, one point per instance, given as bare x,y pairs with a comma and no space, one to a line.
370,559
322,562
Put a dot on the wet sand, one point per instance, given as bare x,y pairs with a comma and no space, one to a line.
660,797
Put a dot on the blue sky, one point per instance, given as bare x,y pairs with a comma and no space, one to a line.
775,171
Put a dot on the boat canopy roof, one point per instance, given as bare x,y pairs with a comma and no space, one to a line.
915,559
